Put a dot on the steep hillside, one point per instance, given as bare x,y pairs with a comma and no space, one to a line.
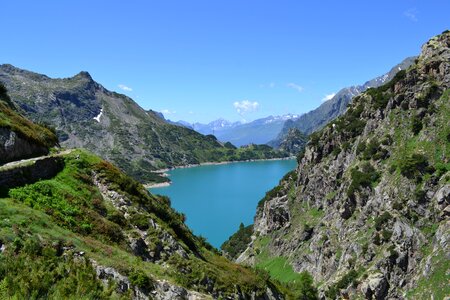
85,230
290,139
20,138
109,124
367,210
337,105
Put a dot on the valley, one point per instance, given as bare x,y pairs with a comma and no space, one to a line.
290,174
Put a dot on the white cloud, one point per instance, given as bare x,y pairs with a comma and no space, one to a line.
190,112
295,86
328,97
272,85
245,106
125,88
168,112
411,14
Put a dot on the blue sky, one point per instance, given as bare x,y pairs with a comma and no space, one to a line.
201,60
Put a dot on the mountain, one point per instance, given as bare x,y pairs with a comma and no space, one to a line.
75,227
336,106
293,141
367,210
214,126
259,131
112,125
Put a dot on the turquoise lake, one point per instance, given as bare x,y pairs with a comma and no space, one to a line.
217,198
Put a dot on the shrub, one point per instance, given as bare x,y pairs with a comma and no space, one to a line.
344,282
386,234
382,219
300,156
387,141
363,178
361,147
416,125
314,139
307,290
336,151
420,195
371,149
292,175
140,279
413,166
238,242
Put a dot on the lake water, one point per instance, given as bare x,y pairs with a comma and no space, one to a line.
217,198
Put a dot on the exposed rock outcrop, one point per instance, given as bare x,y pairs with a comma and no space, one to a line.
368,214
30,172
13,147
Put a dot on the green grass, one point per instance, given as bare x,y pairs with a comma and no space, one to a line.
436,283
26,129
69,210
279,269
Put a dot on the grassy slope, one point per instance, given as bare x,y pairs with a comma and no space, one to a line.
9,118
68,210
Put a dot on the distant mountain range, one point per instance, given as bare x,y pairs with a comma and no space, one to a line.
336,106
259,131
275,130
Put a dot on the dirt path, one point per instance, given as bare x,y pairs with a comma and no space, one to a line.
17,163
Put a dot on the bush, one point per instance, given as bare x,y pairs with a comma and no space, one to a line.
336,151
363,178
416,125
413,166
140,279
381,220
371,149
307,290
300,156
386,234
237,243
344,282
360,148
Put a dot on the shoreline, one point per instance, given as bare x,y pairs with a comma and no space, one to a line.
163,172
156,185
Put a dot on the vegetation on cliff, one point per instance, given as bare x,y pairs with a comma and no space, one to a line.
367,214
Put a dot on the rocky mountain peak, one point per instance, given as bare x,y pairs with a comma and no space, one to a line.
84,75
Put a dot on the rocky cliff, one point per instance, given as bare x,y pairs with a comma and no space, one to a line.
367,210
20,138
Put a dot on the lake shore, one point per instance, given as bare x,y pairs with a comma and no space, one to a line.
156,185
163,172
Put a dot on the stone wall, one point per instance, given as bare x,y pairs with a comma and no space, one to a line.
13,147
44,168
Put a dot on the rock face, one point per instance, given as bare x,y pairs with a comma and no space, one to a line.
367,213
40,169
13,147
290,139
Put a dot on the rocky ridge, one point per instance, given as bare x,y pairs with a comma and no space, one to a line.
367,210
